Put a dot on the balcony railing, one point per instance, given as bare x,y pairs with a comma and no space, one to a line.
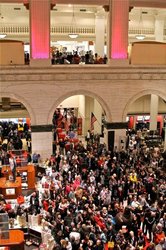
145,31
59,29
66,29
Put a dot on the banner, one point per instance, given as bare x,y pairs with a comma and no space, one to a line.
93,119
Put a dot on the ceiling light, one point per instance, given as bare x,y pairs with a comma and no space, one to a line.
73,35
2,36
140,37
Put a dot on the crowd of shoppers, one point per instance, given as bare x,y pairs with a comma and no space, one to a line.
76,58
11,138
96,199
13,133
73,58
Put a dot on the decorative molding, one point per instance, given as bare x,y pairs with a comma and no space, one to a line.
41,128
115,125
79,73
15,29
52,4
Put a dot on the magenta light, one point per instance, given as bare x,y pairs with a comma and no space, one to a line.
119,56
119,31
40,29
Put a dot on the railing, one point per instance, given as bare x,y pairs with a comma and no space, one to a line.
66,29
145,31
10,29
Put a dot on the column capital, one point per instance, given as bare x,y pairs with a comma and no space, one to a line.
160,16
100,12
115,125
106,8
27,2
41,128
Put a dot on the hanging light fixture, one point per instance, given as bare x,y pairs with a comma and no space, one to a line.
140,36
73,35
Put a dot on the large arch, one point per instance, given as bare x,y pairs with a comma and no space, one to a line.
23,101
137,96
79,92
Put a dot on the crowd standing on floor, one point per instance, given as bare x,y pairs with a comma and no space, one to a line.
77,58
95,199
74,57
11,138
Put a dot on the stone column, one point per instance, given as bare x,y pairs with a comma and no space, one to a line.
42,140
119,21
115,135
89,106
120,138
100,32
98,114
159,36
81,112
153,112
159,26
40,32
108,35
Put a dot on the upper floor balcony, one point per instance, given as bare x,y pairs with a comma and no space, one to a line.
60,32
140,53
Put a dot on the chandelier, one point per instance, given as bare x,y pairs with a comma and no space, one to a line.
140,36
73,35
2,35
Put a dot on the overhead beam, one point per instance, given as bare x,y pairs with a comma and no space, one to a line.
134,3
148,3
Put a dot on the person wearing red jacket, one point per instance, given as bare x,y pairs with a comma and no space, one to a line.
99,221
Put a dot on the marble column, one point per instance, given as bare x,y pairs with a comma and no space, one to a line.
42,140
159,36
153,112
120,138
89,107
98,114
118,33
115,135
81,112
159,26
100,32
40,32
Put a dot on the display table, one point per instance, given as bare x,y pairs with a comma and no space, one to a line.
29,171
15,241
10,189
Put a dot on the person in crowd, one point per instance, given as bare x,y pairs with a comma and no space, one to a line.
74,57
12,164
93,196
